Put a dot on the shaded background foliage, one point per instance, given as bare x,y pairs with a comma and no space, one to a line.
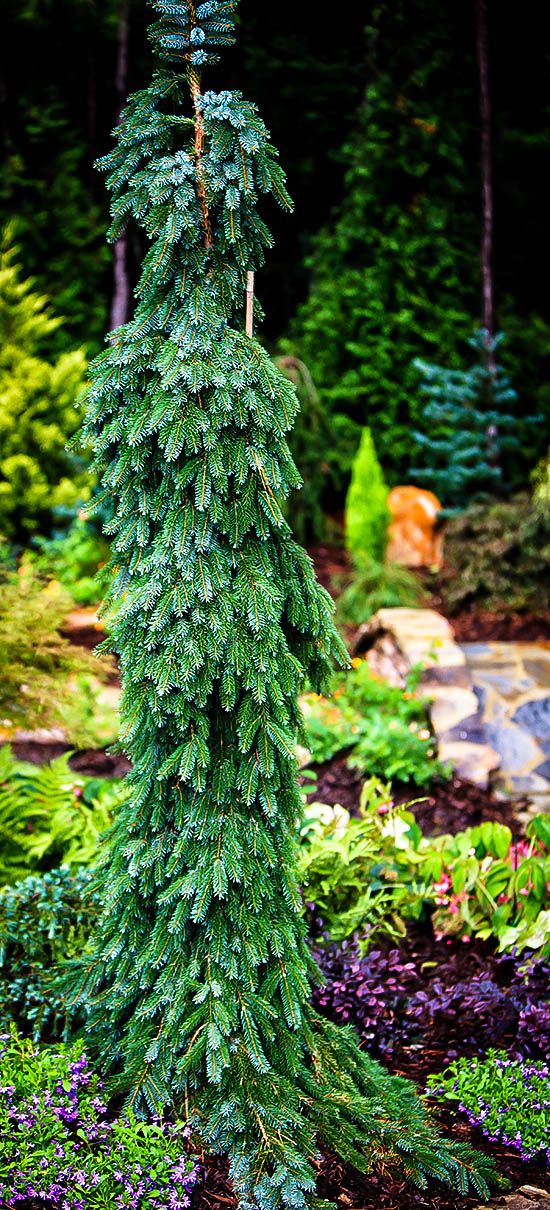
376,117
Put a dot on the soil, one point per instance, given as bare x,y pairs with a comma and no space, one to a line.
470,626
446,806
352,1190
484,626
90,762
331,563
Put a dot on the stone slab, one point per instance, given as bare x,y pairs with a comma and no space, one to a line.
534,716
457,674
42,735
451,706
473,762
517,749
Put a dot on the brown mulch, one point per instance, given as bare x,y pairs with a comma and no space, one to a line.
90,762
446,806
341,1183
330,563
485,627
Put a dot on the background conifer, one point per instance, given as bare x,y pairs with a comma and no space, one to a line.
198,987
469,425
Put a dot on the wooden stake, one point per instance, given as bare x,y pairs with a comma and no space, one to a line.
249,304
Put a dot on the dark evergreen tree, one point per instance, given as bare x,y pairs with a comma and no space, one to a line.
468,424
197,989
393,273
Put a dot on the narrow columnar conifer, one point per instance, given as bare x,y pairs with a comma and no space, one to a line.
197,987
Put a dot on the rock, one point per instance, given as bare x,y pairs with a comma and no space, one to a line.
534,1191
517,749
83,619
534,717
539,670
451,706
42,735
515,1201
473,762
544,770
396,640
415,534
386,661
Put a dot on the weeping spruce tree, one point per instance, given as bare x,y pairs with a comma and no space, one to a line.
197,990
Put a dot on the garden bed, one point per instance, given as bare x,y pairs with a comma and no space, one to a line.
469,625
353,1190
445,806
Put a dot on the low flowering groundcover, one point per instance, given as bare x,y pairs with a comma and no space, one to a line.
508,1099
59,1148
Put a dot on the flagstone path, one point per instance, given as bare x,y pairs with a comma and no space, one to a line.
490,702
512,686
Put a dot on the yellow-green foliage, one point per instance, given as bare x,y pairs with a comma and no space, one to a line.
37,407
367,514
38,665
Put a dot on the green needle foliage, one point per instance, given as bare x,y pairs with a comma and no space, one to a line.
198,985
469,423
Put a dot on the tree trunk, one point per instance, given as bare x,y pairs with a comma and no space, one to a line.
120,304
487,284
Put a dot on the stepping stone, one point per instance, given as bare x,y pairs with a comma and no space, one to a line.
517,749
534,716
473,762
451,706
539,670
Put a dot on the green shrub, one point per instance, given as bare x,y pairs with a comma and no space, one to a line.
372,586
508,1099
367,513
39,665
497,557
375,872
61,1149
50,815
384,727
468,425
37,408
541,486
74,560
44,920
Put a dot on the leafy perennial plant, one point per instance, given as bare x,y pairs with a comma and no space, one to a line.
384,728
197,988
